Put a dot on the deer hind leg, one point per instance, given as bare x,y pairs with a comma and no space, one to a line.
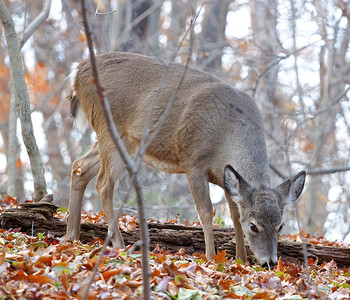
83,170
111,167
239,235
199,185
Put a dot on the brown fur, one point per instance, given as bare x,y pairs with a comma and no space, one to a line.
210,125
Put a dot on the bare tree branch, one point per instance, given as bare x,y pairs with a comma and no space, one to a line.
145,142
313,172
144,15
35,23
328,171
98,13
274,63
278,172
305,252
130,165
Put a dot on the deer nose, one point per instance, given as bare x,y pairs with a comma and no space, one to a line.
269,265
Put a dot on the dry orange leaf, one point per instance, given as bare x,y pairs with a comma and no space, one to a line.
156,249
41,279
170,273
64,280
264,295
134,283
156,273
220,257
280,264
18,163
41,65
181,251
110,273
2,256
44,259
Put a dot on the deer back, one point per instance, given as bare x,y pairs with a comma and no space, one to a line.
210,124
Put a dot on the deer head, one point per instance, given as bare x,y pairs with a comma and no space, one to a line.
261,211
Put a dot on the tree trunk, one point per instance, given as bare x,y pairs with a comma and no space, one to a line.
212,38
22,104
180,11
323,130
12,143
127,35
153,48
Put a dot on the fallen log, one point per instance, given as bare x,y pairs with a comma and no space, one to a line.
33,218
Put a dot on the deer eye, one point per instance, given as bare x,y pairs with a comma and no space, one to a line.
281,227
253,227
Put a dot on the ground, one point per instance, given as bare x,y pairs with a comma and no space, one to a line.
43,267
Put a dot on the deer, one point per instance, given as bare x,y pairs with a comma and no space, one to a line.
213,133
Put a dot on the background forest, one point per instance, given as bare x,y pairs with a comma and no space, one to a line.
291,56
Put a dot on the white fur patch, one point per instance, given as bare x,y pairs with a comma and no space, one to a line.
73,75
80,121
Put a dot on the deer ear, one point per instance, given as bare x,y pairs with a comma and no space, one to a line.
234,183
291,189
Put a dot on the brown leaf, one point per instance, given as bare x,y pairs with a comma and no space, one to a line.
64,280
2,256
41,279
109,273
220,257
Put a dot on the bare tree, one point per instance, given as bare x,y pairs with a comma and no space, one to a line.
212,37
131,31
22,104
333,69
13,188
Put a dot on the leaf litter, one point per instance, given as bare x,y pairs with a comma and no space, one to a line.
43,267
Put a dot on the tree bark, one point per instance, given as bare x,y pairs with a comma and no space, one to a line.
33,26
332,59
12,182
12,143
212,38
38,217
127,35
22,104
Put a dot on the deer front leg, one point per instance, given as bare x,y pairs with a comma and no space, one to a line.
239,235
83,170
199,185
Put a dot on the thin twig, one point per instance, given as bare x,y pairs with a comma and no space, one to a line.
168,108
328,171
292,134
94,270
142,148
97,13
146,140
28,32
274,63
305,253
328,107
129,163
277,172
312,172
141,17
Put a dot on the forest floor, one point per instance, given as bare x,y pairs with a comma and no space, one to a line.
41,266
